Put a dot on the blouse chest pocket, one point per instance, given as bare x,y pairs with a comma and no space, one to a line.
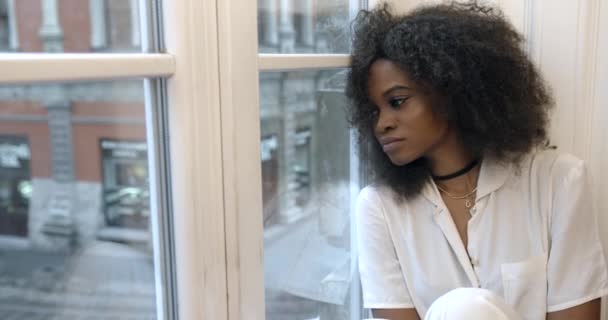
525,286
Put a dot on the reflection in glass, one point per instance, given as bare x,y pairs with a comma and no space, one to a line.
15,184
125,183
70,26
75,239
304,26
306,161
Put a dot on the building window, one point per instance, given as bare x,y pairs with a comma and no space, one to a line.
126,198
115,25
15,185
302,166
120,16
8,26
270,176
4,25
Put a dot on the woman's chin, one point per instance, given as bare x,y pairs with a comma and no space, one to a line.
400,160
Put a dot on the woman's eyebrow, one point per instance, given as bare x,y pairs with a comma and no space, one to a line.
395,88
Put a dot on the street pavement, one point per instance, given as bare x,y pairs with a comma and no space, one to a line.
108,280
305,276
103,281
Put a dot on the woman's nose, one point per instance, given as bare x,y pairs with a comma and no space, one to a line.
385,122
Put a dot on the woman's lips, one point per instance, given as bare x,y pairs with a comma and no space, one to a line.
392,145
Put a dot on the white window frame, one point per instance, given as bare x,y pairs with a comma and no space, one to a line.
211,67
43,67
20,68
240,65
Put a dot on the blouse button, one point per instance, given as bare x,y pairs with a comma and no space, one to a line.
474,262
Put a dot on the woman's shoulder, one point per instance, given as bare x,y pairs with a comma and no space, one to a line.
554,164
380,196
375,192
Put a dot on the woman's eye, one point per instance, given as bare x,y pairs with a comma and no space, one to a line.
396,102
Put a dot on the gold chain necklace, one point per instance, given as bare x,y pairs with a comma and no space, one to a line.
467,203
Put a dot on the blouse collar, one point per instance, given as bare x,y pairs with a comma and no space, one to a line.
492,175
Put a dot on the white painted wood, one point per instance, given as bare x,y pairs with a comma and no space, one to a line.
238,49
598,148
567,40
402,6
569,44
40,67
515,12
149,32
355,186
191,33
158,186
599,133
287,62
587,60
558,63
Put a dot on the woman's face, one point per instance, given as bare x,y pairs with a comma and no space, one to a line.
407,125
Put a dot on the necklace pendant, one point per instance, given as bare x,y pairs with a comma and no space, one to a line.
468,203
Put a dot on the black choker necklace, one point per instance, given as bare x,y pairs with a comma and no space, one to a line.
459,172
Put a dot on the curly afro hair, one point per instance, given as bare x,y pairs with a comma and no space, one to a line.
467,53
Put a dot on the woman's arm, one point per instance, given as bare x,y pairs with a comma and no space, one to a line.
576,269
585,311
383,284
396,314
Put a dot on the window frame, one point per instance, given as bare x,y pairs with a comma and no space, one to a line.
154,68
240,65
19,68
203,101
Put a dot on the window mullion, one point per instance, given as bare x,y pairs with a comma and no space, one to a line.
190,28
241,155
43,67
288,62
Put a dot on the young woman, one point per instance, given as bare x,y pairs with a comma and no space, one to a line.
465,193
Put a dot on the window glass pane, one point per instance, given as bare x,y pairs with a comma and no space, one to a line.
69,26
307,183
4,25
75,237
304,26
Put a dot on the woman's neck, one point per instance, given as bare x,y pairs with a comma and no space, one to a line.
451,156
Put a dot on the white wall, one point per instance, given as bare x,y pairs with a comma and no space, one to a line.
568,40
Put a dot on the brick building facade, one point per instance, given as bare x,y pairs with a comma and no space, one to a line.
81,172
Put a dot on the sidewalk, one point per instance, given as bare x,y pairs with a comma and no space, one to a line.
103,281
303,273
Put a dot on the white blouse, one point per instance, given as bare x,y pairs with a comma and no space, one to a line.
533,240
